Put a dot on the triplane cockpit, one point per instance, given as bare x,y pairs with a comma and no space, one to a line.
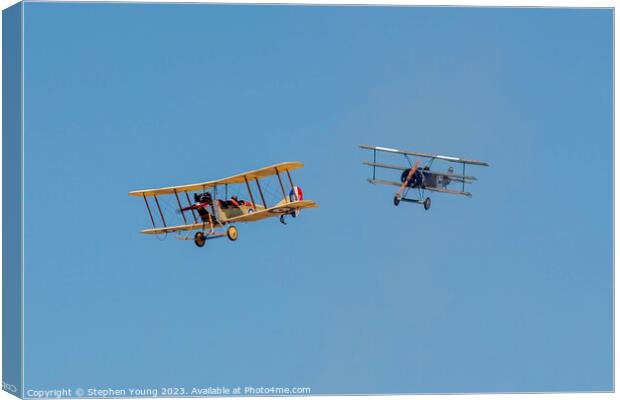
208,213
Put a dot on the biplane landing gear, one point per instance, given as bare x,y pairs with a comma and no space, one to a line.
427,203
396,200
200,239
282,221
232,233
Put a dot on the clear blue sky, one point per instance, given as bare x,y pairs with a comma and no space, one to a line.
510,290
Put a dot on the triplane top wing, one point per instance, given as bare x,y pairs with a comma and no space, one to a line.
422,178
208,212
424,155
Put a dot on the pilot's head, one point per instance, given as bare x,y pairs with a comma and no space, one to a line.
202,197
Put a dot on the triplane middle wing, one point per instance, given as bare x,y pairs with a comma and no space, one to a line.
421,178
208,213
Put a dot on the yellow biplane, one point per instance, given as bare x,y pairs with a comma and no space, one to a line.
208,214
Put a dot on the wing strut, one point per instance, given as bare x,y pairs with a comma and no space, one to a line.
249,191
189,203
374,159
149,208
292,186
281,185
260,191
213,201
161,214
180,208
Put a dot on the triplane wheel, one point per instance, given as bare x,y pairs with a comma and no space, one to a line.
396,200
200,239
232,233
427,203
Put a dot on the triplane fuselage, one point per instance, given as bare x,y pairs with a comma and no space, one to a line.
421,179
208,214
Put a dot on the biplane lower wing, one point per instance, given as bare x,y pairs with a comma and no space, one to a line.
432,189
280,209
188,227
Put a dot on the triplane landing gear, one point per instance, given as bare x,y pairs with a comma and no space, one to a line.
427,203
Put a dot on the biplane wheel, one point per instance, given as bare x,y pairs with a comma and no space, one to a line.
396,200
232,233
427,203
200,239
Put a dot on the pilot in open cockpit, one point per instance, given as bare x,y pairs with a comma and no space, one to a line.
203,200
234,201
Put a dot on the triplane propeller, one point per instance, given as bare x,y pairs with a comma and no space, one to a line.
207,214
418,179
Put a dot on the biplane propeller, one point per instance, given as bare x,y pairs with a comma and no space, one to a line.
414,178
208,214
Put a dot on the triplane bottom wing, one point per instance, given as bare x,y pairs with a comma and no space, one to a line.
432,189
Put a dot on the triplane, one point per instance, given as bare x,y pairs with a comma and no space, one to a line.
208,213
422,179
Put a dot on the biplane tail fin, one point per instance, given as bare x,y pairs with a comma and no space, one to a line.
295,195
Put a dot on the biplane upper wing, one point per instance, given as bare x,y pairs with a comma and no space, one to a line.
402,168
275,211
425,155
239,178
188,227
433,189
